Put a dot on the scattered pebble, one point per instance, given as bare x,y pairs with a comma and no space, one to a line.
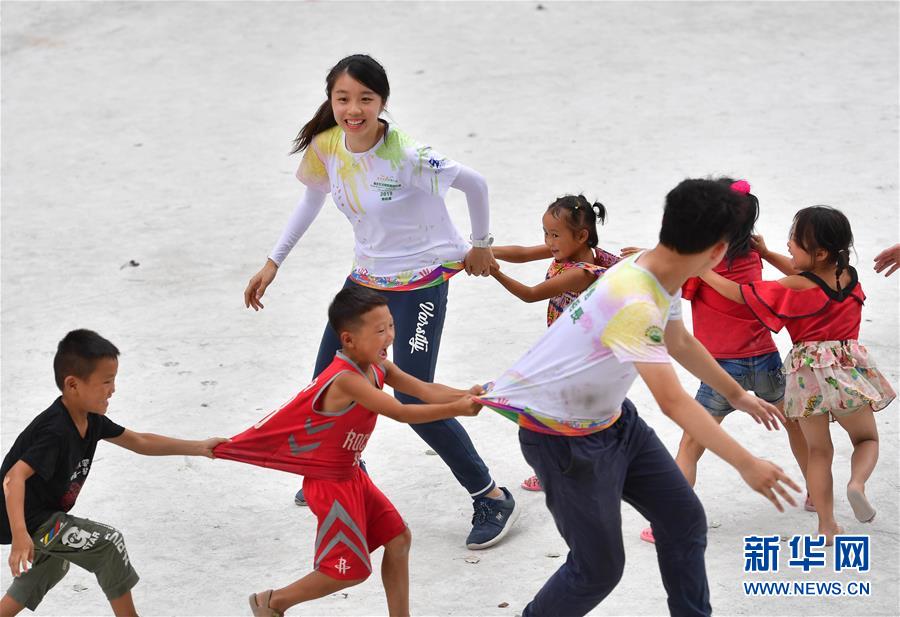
170,363
204,404
472,559
430,452
208,382
715,524
79,588
552,555
503,605
540,7
784,538
129,264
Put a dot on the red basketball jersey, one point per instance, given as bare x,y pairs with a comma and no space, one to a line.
301,438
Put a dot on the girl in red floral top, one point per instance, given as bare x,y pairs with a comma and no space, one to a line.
829,373
570,238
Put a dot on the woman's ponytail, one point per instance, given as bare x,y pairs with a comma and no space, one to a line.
321,121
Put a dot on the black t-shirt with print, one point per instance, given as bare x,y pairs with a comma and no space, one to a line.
61,459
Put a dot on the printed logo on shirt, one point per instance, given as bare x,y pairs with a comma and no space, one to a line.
356,443
655,334
385,186
81,469
418,341
79,538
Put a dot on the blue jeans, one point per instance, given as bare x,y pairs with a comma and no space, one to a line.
761,375
585,479
418,323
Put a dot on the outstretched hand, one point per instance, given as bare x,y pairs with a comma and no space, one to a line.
769,480
258,284
630,250
761,411
888,258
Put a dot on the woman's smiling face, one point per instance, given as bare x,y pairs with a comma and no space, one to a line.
356,109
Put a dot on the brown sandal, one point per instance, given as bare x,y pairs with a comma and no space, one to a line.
263,610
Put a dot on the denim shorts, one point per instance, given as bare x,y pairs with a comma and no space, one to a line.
761,375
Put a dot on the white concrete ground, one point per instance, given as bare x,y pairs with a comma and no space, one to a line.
158,132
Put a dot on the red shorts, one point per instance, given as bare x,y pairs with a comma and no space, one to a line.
355,518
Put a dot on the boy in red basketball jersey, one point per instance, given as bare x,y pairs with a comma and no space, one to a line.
321,434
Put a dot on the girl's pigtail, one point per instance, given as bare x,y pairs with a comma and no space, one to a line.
600,211
843,262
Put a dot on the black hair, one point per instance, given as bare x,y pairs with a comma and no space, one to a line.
580,214
824,227
698,213
350,304
364,69
740,241
77,355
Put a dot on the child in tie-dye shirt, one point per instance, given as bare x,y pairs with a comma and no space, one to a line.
585,440
570,237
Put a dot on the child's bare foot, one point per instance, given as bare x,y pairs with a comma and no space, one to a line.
862,509
830,532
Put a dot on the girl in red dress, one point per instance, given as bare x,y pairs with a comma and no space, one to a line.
829,374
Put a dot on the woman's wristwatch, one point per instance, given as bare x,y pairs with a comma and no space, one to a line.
483,243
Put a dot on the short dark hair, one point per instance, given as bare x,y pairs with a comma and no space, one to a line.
579,214
350,304
77,354
699,213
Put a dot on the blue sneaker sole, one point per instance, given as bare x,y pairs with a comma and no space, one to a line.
509,523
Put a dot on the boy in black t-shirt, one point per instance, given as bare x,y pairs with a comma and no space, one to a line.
46,469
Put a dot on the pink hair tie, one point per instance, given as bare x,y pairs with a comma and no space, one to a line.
740,186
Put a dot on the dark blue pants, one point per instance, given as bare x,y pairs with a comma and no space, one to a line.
418,323
585,479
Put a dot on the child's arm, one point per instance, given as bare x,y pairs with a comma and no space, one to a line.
575,279
401,381
724,286
521,254
22,551
150,444
782,262
692,355
762,476
358,388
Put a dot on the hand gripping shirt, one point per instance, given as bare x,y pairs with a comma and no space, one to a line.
574,379
301,438
393,196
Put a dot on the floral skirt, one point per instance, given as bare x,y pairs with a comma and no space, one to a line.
832,377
